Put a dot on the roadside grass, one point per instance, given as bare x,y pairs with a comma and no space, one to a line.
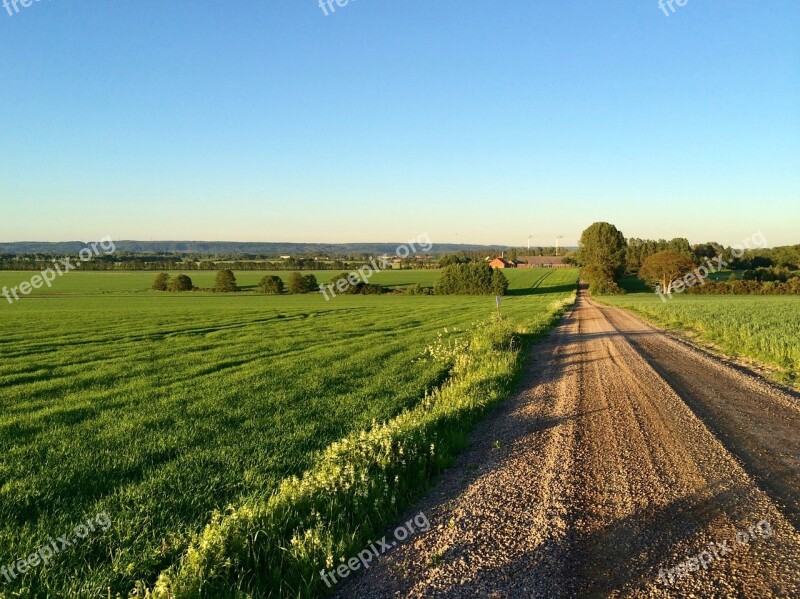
162,408
762,328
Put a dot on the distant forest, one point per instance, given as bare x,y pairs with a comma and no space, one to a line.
234,248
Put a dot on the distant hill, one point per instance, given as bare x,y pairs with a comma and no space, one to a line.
235,247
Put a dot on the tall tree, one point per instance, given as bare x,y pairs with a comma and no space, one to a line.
679,245
602,254
664,268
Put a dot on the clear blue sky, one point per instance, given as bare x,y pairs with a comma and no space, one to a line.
480,122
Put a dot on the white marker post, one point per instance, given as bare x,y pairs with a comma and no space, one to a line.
498,299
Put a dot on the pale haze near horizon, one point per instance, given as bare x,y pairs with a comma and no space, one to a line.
476,124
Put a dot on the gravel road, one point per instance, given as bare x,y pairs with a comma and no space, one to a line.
627,452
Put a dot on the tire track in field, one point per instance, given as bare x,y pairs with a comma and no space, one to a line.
541,279
604,475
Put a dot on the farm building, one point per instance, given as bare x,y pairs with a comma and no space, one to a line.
502,263
541,261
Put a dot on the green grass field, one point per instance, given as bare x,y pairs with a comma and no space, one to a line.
138,282
159,408
764,328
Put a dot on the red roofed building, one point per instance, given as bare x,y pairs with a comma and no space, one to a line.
502,263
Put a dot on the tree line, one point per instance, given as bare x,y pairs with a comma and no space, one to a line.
472,278
225,282
475,278
40,262
605,256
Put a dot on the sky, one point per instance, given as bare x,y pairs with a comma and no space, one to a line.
473,122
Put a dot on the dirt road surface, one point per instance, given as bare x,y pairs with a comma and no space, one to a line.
626,454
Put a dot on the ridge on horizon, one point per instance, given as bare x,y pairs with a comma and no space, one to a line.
255,247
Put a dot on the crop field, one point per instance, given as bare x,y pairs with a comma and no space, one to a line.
765,328
158,408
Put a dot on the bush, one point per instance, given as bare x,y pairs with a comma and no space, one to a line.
225,282
298,283
311,283
604,287
499,283
601,280
345,283
475,278
415,289
735,286
161,282
180,283
271,285
452,259
350,283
